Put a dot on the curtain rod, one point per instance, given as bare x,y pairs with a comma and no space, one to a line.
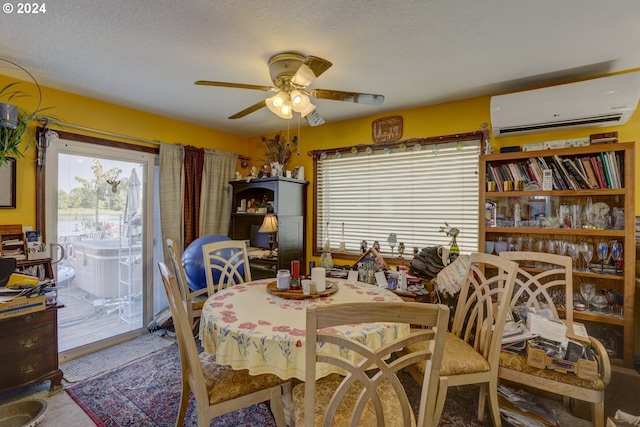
107,133
433,140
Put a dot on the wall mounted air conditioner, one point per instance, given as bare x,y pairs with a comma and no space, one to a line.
606,101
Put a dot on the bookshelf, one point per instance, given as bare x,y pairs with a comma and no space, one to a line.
586,196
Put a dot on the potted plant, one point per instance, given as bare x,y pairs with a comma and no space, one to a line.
15,135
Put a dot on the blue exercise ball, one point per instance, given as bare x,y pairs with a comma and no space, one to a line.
193,261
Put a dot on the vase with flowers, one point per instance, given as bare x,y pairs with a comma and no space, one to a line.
278,152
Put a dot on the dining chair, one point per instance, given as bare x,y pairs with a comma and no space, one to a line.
550,288
218,389
472,348
228,262
194,300
369,393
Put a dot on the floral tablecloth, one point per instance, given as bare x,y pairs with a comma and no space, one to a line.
249,328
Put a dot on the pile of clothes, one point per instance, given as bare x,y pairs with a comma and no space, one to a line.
427,263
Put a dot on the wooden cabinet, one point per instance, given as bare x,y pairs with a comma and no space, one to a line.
287,200
533,216
29,350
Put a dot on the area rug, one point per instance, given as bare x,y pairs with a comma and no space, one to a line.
91,365
146,394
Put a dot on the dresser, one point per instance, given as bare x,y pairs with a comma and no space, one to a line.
29,350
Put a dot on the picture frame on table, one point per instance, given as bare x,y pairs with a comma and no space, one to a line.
8,186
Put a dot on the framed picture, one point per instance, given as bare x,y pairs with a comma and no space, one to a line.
538,210
8,184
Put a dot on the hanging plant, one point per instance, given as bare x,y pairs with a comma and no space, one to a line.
15,135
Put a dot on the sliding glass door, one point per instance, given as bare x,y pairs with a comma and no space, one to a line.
99,209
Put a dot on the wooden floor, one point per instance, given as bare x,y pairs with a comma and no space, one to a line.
86,318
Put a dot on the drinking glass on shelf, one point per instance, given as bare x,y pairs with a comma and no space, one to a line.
551,246
603,252
616,255
599,302
562,247
574,253
587,253
611,299
587,290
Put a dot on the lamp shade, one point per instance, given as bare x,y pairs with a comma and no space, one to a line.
299,101
269,224
280,105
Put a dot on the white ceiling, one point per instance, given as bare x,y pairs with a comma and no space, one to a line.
146,54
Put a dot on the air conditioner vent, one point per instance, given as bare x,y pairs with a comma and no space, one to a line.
607,101
595,121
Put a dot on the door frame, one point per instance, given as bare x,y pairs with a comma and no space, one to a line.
46,205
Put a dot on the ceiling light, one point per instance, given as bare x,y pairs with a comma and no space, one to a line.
280,105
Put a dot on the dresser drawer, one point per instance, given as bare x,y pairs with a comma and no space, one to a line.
15,325
26,341
21,370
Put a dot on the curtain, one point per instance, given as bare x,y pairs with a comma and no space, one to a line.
171,188
215,199
193,163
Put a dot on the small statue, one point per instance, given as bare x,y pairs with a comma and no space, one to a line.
238,176
253,174
454,250
363,246
401,248
376,246
264,172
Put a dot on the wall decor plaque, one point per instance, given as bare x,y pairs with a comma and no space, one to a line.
386,129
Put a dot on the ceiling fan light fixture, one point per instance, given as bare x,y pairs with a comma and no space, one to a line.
299,101
280,105
307,110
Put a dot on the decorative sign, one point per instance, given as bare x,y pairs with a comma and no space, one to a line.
386,129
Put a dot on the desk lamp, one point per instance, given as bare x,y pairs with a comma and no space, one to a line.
269,225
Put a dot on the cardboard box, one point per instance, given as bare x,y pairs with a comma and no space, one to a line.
22,305
583,368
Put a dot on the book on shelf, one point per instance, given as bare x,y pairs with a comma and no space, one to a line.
589,172
577,175
597,167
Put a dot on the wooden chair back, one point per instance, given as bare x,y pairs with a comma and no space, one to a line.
229,259
365,375
189,297
483,302
189,359
548,288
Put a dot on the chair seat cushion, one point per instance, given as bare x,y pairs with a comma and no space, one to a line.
518,362
225,383
198,302
325,388
458,357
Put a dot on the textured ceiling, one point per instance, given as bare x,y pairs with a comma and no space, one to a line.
146,54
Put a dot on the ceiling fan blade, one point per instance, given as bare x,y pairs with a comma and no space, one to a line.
355,97
254,107
310,70
236,85
314,119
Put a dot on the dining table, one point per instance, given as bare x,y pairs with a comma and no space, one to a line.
248,326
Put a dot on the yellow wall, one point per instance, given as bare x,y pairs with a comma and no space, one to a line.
104,116
443,119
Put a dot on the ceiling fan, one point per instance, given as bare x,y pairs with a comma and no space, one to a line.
291,73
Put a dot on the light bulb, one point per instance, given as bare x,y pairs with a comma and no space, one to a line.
299,101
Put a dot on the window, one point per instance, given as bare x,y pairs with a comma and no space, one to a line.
407,189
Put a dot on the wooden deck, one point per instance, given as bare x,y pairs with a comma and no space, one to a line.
86,319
